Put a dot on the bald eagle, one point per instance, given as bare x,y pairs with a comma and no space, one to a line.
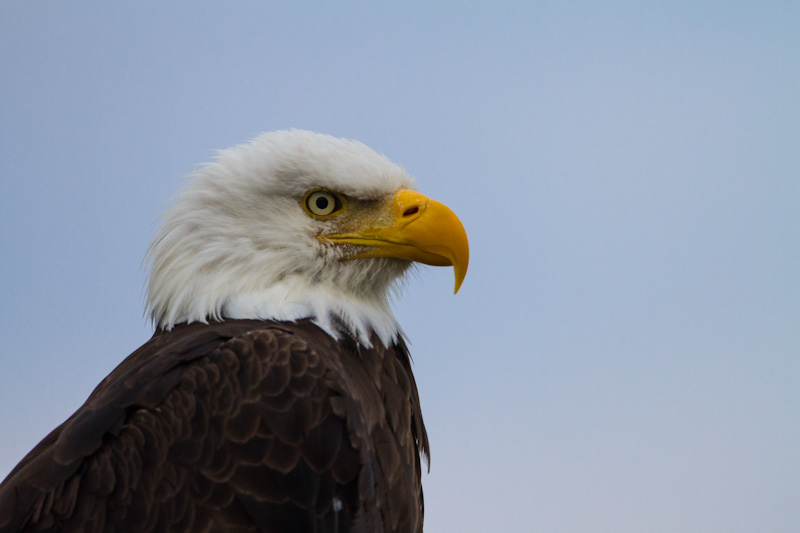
276,393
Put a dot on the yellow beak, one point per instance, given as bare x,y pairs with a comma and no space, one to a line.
415,228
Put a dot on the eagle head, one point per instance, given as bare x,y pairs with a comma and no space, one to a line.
296,224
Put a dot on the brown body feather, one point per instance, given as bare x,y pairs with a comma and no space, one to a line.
240,425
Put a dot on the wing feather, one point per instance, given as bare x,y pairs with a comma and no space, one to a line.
239,426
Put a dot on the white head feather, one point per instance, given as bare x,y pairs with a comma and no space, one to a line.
237,242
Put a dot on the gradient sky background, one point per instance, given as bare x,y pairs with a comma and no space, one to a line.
624,354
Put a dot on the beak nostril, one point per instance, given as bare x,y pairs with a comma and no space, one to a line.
411,211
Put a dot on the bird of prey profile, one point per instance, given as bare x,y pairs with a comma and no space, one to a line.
276,394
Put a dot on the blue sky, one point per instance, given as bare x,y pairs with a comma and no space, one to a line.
624,354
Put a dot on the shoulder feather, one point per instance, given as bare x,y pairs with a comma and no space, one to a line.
239,425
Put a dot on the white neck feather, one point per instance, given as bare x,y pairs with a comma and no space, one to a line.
237,243
328,307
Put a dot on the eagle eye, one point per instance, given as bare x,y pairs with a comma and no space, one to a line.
322,203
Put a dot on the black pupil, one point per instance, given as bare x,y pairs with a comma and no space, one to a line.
322,203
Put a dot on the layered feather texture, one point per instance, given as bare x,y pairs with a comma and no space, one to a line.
236,426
